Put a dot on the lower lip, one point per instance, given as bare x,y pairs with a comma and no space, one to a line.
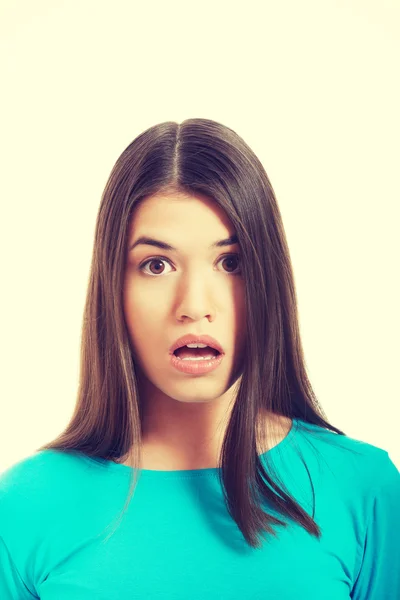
196,367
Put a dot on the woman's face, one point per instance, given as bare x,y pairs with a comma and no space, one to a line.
190,290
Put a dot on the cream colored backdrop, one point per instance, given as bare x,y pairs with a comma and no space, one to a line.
312,86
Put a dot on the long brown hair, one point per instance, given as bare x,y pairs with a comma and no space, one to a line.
197,156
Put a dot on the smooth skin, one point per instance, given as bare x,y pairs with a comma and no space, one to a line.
196,289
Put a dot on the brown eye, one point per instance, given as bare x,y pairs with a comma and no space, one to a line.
158,265
158,261
233,258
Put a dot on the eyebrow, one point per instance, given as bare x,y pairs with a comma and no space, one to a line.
164,246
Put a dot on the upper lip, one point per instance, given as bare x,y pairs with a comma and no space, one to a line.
193,339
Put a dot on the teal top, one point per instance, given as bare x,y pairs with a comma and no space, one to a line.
177,541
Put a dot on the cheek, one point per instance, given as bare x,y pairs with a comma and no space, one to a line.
144,315
140,299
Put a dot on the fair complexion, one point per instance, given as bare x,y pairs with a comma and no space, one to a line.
196,288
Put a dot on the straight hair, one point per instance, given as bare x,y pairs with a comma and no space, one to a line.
197,156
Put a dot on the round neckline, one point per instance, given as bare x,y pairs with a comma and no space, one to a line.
114,467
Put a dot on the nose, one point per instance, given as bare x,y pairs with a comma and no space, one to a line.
195,299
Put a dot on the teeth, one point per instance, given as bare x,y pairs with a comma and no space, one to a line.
197,358
196,345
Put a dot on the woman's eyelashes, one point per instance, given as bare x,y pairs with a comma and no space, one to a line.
161,259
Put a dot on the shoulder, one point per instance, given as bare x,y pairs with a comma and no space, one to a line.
41,484
355,463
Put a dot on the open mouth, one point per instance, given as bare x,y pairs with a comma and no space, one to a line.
185,353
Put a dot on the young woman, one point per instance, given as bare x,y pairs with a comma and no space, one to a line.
194,406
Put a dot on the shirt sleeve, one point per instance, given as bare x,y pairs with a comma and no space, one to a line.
379,573
11,585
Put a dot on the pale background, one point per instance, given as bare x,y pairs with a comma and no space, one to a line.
311,86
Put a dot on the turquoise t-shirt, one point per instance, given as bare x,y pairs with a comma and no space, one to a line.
177,541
